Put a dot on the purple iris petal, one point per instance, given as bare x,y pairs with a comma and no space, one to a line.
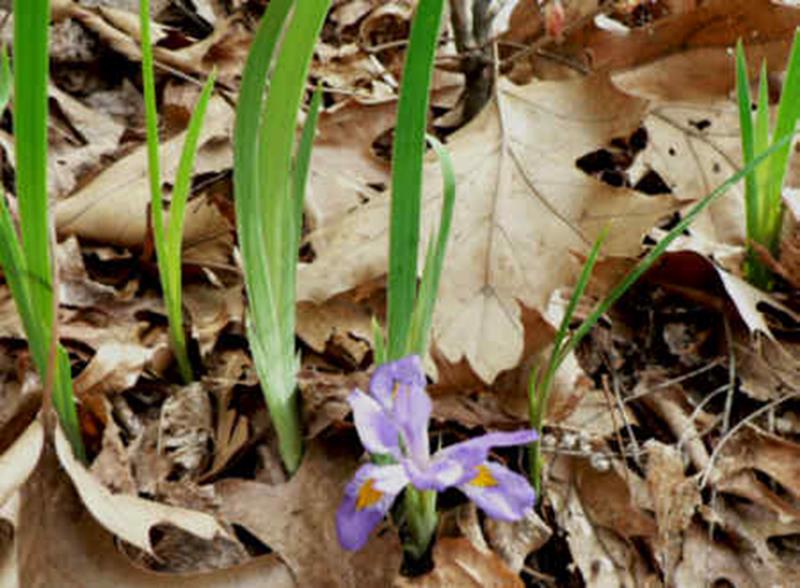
437,475
377,431
501,493
456,464
412,412
406,372
367,499
474,451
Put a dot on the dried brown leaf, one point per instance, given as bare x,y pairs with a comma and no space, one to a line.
715,26
609,500
457,562
61,544
296,520
675,498
514,542
113,207
603,558
19,460
527,206
130,517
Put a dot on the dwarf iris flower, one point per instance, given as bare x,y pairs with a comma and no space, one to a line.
392,421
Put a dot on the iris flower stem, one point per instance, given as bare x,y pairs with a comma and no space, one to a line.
420,508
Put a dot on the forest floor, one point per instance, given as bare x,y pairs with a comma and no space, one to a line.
673,433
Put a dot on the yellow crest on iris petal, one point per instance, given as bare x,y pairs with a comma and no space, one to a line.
484,477
368,495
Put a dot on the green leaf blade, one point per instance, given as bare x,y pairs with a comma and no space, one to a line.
407,157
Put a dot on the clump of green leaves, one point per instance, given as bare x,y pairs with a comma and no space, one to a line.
541,379
27,261
168,240
763,202
270,173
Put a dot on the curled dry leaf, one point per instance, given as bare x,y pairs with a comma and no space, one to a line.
340,326
609,500
603,558
114,368
525,205
61,544
113,207
457,562
768,370
296,520
671,405
79,137
19,460
325,397
185,432
765,542
211,309
514,542
8,557
344,142
675,498
705,563
752,450
129,517
695,39
76,288
119,29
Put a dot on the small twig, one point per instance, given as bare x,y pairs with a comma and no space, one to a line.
726,420
745,421
673,381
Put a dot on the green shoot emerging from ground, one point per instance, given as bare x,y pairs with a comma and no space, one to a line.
541,379
763,202
27,263
410,308
168,240
269,181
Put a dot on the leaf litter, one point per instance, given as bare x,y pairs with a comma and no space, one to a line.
672,437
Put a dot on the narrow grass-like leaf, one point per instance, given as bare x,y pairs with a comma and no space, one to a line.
12,260
168,240
763,191
6,79
788,115
31,63
407,158
303,158
151,125
378,343
250,221
170,267
747,135
28,265
539,389
422,315
761,131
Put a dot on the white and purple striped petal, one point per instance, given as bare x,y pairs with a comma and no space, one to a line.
412,412
386,380
376,428
501,493
367,499
475,451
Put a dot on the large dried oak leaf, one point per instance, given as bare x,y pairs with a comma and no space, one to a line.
522,206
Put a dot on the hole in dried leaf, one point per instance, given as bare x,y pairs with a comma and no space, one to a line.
700,125
652,184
